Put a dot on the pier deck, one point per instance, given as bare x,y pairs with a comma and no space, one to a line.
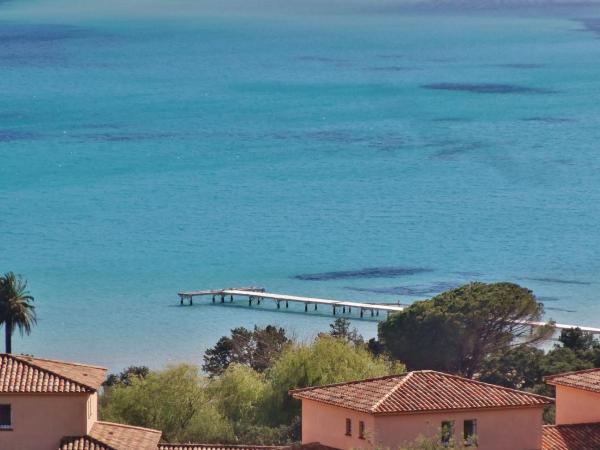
258,294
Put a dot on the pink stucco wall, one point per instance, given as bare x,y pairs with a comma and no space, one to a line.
576,406
327,424
503,429
40,421
500,429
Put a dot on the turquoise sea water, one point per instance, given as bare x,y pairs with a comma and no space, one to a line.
149,147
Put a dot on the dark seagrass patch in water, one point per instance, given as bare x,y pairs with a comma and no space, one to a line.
521,66
557,280
550,120
414,290
368,272
487,88
11,135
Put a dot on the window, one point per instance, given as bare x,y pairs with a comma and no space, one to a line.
5,417
348,427
470,432
447,432
361,430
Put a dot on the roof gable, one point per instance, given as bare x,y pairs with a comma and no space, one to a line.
419,391
24,374
588,380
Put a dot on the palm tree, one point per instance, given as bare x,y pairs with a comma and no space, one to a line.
16,310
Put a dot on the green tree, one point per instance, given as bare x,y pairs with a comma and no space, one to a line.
327,360
456,330
340,328
174,400
240,394
127,376
563,359
16,310
520,367
257,349
577,340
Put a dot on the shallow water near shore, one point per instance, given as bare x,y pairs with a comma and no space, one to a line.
372,153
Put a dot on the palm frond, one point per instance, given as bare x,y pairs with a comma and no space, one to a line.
15,303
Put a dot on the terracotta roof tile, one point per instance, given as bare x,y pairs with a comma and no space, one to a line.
24,374
218,447
418,391
83,443
571,437
125,437
588,380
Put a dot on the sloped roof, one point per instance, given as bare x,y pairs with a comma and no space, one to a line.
125,437
114,436
24,374
82,443
588,380
419,391
571,437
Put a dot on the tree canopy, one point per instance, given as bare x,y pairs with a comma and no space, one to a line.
340,328
174,400
327,360
255,348
456,330
127,376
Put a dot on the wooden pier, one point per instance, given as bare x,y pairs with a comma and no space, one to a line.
258,294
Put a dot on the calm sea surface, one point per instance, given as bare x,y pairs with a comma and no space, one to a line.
148,147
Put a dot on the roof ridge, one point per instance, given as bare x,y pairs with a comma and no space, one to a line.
494,386
23,360
401,383
366,380
132,427
55,361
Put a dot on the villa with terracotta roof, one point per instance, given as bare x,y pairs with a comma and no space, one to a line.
577,411
43,400
53,405
395,410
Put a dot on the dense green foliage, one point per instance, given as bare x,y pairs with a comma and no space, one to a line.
174,400
255,348
457,330
524,366
16,310
241,404
127,376
327,360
